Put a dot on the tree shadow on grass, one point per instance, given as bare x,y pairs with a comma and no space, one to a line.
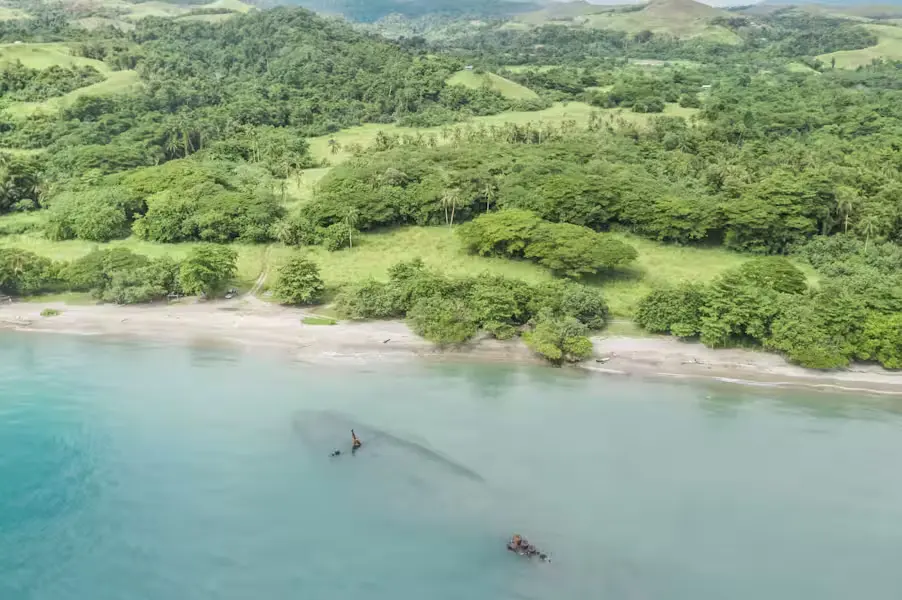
629,274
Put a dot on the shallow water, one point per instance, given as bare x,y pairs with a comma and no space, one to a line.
135,471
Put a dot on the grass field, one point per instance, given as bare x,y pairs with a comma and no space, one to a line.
12,14
560,112
658,264
889,46
298,193
251,258
680,18
41,56
505,87
116,82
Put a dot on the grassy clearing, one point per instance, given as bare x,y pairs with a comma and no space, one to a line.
679,18
12,14
374,253
505,87
658,264
536,68
92,23
797,67
155,8
251,258
117,82
364,135
889,46
300,191
41,56
318,321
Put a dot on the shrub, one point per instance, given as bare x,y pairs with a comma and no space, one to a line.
559,339
23,273
574,250
154,281
802,335
571,250
882,340
50,312
207,269
368,300
299,282
338,236
776,273
94,271
97,215
442,320
504,233
737,311
677,311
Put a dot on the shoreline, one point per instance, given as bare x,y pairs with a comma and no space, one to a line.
250,323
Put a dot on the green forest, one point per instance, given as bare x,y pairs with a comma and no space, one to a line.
553,174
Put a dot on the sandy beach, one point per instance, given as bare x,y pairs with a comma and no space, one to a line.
250,323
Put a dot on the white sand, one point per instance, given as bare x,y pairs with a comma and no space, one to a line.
255,324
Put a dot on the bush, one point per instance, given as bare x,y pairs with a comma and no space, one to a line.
442,320
23,273
574,250
50,312
97,215
152,282
677,311
503,233
737,311
120,276
207,269
368,300
559,339
94,271
571,250
776,273
802,335
495,300
881,340
212,201
299,282
560,298
338,236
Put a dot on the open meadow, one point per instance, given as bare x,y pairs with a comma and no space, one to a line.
323,149
889,46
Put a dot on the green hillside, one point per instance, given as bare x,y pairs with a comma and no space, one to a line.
889,46
679,18
506,87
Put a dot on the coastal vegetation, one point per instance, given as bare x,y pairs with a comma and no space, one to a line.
739,188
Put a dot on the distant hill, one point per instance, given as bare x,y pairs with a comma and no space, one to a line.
680,18
372,10
885,9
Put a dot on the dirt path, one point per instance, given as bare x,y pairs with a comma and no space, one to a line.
264,273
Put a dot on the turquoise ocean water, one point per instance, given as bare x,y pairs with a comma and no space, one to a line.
133,471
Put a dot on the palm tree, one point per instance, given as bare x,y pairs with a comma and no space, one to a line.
351,218
450,199
869,225
490,194
846,199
